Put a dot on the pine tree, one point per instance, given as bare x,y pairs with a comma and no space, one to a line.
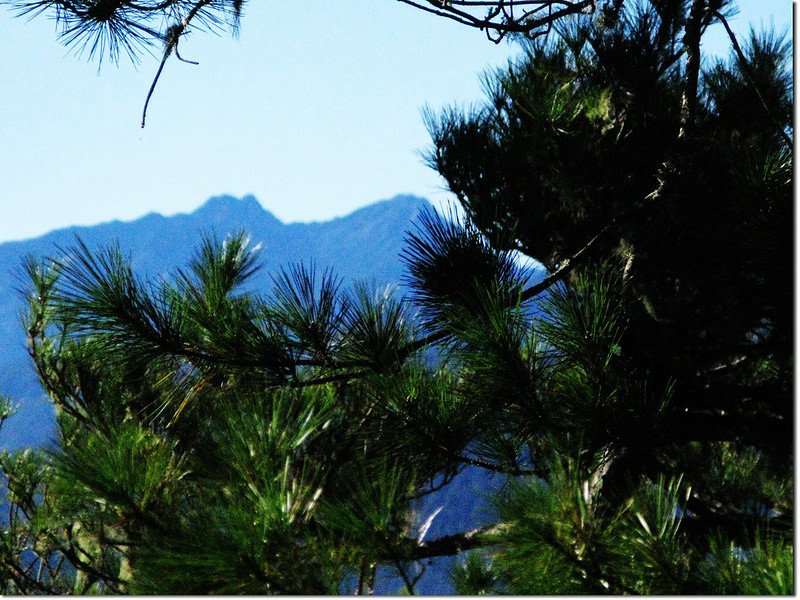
584,153
637,399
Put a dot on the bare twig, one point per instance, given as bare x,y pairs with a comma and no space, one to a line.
167,52
174,34
501,17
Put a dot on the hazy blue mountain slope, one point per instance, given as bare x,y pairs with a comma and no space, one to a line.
362,246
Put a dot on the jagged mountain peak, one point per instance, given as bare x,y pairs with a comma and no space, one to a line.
224,209
226,203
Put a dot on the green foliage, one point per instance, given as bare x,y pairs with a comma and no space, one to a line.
253,487
310,312
474,577
765,569
374,510
128,467
635,406
450,266
658,543
560,537
378,325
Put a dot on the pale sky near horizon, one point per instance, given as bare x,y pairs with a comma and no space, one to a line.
315,111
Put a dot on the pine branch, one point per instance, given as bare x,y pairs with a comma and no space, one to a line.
691,41
566,267
745,66
451,545
339,377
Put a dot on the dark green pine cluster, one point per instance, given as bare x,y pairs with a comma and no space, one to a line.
636,403
110,29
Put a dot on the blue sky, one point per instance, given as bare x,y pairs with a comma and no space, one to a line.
316,111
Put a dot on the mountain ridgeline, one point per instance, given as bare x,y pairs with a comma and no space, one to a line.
364,245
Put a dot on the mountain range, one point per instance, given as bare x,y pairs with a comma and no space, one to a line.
363,245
